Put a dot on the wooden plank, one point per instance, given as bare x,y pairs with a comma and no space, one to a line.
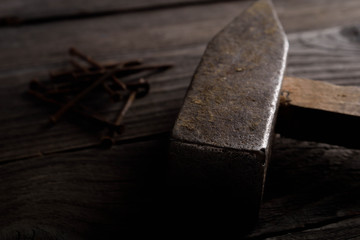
312,189
150,115
45,8
315,55
295,15
153,41
310,15
150,35
325,55
92,192
347,229
38,11
112,37
309,185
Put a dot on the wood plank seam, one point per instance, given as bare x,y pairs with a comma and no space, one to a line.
306,227
9,21
160,135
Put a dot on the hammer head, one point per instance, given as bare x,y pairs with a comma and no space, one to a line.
221,140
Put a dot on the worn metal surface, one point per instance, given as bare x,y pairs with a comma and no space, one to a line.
222,136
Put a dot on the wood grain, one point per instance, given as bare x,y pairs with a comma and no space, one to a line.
19,12
45,9
319,111
57,184
312,14
347,229
92,192
308,187
325,55
316,55
318,95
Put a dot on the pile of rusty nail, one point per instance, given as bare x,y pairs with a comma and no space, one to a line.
65,89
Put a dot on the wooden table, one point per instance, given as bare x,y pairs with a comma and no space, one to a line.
56,183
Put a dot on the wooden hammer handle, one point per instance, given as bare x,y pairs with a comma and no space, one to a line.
319,111
319,95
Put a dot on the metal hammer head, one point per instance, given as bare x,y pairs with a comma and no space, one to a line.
221,140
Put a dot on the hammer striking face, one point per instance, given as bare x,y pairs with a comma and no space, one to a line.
221,140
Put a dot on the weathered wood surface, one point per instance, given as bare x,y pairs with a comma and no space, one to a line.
310,186
32,51
22,11
100,191
88,194
311,14
58,185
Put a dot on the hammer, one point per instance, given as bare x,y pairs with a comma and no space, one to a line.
221,141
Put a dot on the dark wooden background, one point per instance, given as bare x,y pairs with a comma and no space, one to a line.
56,183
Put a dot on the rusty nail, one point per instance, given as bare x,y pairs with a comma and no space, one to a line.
141,87
120,83
54,118
75,52
125,70
114,95
109,139
78,111
132,63
126,107
35,84
108,89
78,66
129,66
